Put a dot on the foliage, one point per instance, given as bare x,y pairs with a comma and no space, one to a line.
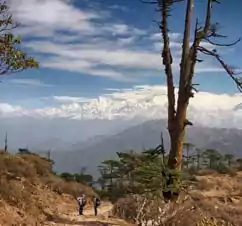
12,58
67,176
140,182
229,158
239,162
188,147
147,172
24,151
212,158
137,173
81,177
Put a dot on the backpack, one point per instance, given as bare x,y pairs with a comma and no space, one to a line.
82,201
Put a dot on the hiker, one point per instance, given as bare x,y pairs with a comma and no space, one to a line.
82,202
96,204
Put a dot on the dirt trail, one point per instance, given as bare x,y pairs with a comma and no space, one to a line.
73,219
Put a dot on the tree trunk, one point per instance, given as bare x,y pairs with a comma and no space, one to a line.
229,162
177,119
210,163
178,134
175,157
187,149
198,162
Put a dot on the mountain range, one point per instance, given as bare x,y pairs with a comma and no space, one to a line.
93,151
56,134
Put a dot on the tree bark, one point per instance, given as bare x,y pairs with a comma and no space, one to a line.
178,124
176,118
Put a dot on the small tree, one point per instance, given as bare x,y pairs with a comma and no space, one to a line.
83,178
239,162
102,181
213,157
198,157
12,58
67,176
188,147
110,173
24,151
229,158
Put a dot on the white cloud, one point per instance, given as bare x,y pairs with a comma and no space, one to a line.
174,36
67,99
120,7
147,102
90,41
47,17
53,15
126,41
86,58
118,57
8,110
28,83
177,45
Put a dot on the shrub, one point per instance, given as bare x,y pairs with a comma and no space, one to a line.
61,186
224,169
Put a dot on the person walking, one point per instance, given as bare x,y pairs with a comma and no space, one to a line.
81,202
96,204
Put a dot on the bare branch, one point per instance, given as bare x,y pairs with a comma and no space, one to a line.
228,69
206,33
186,40
193,54
167,60
208,17
187,123
223,45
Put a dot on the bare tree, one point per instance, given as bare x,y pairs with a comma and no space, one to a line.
208,32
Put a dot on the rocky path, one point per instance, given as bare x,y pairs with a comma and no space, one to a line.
73,219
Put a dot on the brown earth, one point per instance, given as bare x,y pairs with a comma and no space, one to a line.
30,194
73,219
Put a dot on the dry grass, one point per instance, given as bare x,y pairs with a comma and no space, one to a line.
212,200
29,191
126,208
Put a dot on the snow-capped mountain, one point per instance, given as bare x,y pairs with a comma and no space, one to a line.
140,102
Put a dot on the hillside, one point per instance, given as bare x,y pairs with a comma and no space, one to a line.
145,135
31,194
211,200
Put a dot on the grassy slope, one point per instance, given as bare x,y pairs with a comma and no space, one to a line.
30,192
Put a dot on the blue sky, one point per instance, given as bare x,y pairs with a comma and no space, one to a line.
85,47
